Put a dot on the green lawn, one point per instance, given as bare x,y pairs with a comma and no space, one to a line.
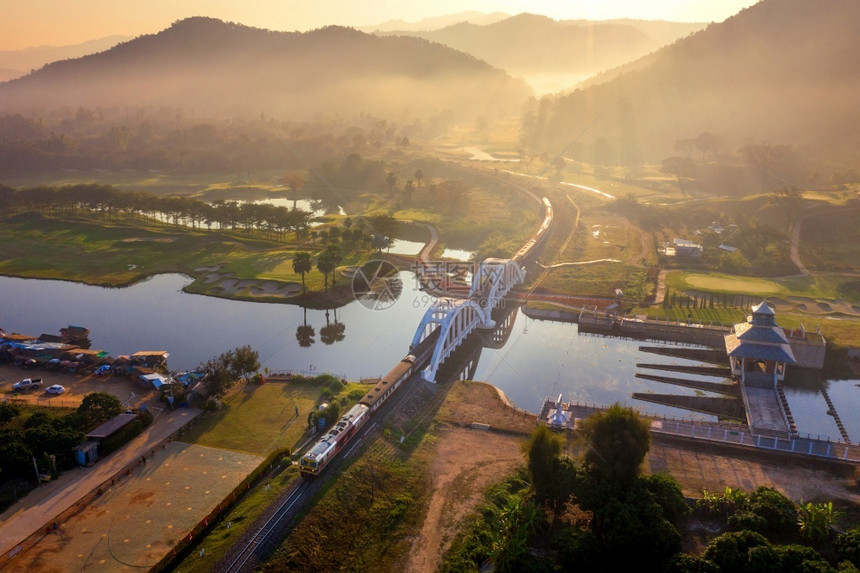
258,418
828,286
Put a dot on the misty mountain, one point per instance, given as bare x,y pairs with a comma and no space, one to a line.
215,67
471,16
16,63
528,45
784,71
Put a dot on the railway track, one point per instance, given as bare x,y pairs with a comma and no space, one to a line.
247,559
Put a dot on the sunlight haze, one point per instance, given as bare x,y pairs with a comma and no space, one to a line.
56,22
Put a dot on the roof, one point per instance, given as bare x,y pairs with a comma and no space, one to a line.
686,243
762,308
752,333
737,348
157,380
112,426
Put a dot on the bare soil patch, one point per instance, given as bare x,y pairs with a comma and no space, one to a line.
141,518
130,392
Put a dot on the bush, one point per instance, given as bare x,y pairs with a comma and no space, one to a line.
778,511
667,493
682,563
578,549
848,546
730,551
8,412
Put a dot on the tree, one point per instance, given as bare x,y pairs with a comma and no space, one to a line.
618,440
15,457
294,181
302,263
706,142
391,180
731,551
334,256
542,453
326,265
790,199
766,160
680,167
97,408
848,546
815,520
245,362
8,412
218,375
383,224
419,175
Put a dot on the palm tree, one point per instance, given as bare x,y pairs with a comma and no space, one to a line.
419,175
326,265
333,254
302,263
391,180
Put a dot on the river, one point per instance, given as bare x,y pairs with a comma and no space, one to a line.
540,359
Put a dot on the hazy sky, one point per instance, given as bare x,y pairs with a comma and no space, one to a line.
25,23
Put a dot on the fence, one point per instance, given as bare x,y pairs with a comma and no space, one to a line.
732,434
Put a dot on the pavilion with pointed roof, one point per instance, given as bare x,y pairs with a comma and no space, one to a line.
758,349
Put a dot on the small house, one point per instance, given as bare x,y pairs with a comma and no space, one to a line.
685,248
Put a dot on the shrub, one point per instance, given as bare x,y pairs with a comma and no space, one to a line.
848,546
778,511
730,551
748,520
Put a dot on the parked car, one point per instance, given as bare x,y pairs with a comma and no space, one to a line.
55,389
27,384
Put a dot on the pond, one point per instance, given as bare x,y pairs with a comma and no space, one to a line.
540,359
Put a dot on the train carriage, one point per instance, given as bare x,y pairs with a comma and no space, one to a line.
327,447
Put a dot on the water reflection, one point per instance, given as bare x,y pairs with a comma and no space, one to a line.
531,361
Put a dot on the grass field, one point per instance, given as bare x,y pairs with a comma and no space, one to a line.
268,409
826,286
124,250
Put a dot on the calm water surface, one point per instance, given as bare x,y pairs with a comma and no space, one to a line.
540,358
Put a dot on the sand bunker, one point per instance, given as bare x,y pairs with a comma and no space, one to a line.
226,284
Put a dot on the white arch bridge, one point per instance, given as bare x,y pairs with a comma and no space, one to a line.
456,318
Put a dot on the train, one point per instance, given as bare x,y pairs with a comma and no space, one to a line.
326,448
523,254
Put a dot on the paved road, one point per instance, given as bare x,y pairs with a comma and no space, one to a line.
42,506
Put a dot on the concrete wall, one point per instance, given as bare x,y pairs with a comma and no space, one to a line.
713,336
809,353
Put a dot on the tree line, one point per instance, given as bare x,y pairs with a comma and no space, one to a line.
110,202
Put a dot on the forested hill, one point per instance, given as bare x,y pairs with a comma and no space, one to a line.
213,66
784,71
528,43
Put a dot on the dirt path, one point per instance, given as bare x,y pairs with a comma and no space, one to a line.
466,463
